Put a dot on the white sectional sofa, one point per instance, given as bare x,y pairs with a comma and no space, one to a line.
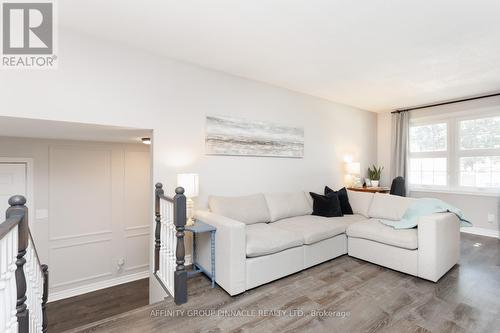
263,237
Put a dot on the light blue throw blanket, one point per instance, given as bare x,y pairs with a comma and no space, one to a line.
422,207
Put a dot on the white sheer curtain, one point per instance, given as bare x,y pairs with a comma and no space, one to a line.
400,134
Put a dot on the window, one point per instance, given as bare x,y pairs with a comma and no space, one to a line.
428,171
479,152
456,152
480,171
483,133
428,138
428,154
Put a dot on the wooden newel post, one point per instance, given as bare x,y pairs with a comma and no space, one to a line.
180,277
158,193
45,271
18,208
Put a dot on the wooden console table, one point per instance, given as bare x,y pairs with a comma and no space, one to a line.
370,189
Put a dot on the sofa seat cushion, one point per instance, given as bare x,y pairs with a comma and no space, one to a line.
313,228
375,231
263,239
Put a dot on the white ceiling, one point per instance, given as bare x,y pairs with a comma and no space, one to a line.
47,129
374,54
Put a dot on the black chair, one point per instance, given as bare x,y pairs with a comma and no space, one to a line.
398,187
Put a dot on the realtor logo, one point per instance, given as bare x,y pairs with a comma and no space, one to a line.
28,34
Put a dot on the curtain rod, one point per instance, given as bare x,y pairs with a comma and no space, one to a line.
446,103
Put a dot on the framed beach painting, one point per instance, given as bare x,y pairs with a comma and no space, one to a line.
241,137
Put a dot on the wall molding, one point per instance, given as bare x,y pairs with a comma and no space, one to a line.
97,233
92,277
97,286
57,247
138,235
481,232
137,227
133,268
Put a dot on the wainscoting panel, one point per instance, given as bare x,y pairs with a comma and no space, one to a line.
136,189
137,194
137,252
80,190
100,206
82,262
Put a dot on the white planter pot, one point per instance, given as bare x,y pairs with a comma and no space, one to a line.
375,183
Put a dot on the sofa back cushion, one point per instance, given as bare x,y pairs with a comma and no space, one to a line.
283,205
389,207
360,201
248,209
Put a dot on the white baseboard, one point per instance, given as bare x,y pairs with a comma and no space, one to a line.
481,232
96,286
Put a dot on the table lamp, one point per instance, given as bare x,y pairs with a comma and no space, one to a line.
354,169
189,181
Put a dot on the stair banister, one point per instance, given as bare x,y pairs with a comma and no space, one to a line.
23,280
169,249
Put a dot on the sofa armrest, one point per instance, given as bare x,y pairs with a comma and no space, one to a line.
230,251
438,245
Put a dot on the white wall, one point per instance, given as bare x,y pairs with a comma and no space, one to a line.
97,199
99,82
476,207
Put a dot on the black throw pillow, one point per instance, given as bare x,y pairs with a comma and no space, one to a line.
327,206
343,198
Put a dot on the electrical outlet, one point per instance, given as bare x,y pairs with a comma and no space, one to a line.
491,218
120,262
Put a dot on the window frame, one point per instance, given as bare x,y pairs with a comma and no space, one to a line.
453,152
458,153
431,154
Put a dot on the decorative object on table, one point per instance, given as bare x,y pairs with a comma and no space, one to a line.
345,206
357,182
374,175
326,205
189,181
198,228
234,136
353,170
368,182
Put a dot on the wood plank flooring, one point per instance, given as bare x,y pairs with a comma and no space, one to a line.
357,296
88,308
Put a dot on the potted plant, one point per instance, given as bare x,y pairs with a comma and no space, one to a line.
374,175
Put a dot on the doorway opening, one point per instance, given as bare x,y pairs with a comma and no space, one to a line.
89,195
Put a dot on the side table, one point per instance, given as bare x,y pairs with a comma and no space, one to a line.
198,228
370,189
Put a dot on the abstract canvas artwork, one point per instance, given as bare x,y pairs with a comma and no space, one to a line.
234,136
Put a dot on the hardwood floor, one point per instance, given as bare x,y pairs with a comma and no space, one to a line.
360,297
84,309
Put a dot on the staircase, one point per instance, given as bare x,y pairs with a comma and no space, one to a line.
23,279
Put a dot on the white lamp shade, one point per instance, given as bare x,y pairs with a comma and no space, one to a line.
354,168
189,181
